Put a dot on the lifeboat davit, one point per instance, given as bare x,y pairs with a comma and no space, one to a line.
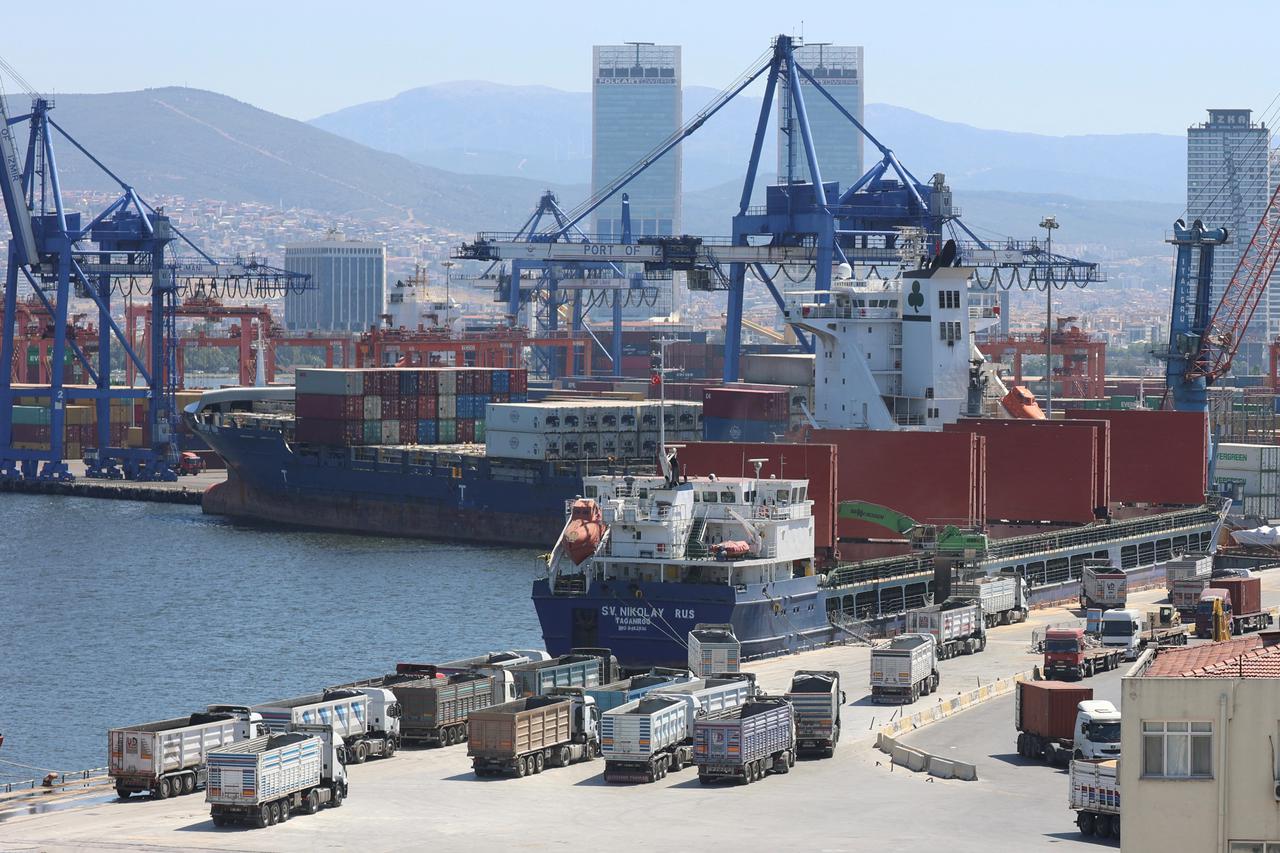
584,531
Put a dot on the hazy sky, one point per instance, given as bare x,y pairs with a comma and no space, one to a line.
1076,67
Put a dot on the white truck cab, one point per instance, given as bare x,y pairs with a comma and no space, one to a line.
250,722
1097,732
1122,629
384,710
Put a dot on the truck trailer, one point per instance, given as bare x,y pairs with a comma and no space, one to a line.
538,678
816,697
713,648
262,781
1102,585
1191,567
1242,604
1057,721
957,626
904,669
524,736
746,743
629,689
1132,631
366,718
1003,597
1095,797
1070,655
167,758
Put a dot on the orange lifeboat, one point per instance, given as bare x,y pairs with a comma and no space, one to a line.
1021,403
584,531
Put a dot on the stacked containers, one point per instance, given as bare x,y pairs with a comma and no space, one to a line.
586,429
735,413
1250,475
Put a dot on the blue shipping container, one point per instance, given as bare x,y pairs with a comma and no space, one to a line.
734,429
427,431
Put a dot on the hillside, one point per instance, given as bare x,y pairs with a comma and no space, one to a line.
181,141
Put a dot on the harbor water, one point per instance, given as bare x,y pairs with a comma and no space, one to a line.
115,612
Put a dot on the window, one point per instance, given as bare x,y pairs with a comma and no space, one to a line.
948,299
949,331
1177,750
1254,847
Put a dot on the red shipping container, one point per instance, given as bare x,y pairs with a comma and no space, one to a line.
1156,457
427,406
815,462
429,383
1246,594
390,408
328,406
1048,708
518,380
933,477
408,409
320,431
466,430
1037,470
483,382
745,404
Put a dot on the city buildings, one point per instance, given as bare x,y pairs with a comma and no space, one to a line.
1198,733
635,105
1228,185
349,285
837,143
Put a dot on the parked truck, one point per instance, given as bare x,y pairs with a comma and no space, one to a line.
1191,567
957,626
713,648
645,739
1184,595
1057,721
1003,597
626,690
1241,602
366,718
1132,631
1095,797
815,698
537,678
167,758
1071,654
1102,585
746,743
524,736
904,669
262,781
436,710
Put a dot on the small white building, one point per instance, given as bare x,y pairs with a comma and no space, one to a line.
1200,736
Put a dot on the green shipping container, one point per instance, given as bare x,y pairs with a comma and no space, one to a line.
31,415
448,431
479,432
373,432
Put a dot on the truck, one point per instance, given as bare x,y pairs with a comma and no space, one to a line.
1132,631
366,718
1242,604
435,707
166,758
1069,653
904,669
744,744
263,781
1184,594
956,625
626,690
815,698
537,678
526,735
643,740
713,648
1191,567
1057,721
1102,585
1003,597
1095,797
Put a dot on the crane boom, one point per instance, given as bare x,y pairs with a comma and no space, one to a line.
15,200
1240,298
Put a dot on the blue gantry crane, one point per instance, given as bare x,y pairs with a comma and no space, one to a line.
125,249
802,223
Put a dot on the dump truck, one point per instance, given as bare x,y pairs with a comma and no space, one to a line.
437,710
263,781
537,678
524,736
904,669
816,697
626,690
1242,604
1184,594
366,718
1103,585
1071,654
1057,721
167,758
1003,597
643,740
1132,631
956,625
713,648
1189,568
746,743
1095,797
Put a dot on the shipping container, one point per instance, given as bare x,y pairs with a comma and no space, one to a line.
1047,709
1246,594
779,368
729,429
341,382
730,402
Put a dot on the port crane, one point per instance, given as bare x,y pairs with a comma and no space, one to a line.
810,225
126,249
1202,345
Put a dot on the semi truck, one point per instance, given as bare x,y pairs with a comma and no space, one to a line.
366,718
525,736
643,740
263,781
1102,585
713,648
1095,797
815,698
1003,597
956,625
1057,721
167,758
746,743
1241,602
626,690
1184,594
1132,631
905,669
437,710
537,678
1069,654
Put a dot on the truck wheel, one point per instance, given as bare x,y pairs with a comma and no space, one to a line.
312,803
188,783
522,767
937,679
791,754
219,820
389,747
982,643
339,794
563,757
538,763
1085,822
263,817
286,809
161,790
1115,827
676,764
748,774
651,775
704,780
273,814
122,792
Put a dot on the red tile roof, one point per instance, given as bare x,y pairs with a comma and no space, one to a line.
1243,657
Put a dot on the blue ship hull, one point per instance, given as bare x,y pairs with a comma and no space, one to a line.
647,624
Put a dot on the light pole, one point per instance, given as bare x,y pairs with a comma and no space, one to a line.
1049,224
448,305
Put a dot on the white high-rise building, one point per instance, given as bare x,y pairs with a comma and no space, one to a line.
1228,185
838,144
348,285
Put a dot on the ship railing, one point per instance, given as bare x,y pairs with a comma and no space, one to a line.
780,512
847,312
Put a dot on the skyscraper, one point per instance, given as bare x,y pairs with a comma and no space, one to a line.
348,285
635,105
836,141
1228,184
